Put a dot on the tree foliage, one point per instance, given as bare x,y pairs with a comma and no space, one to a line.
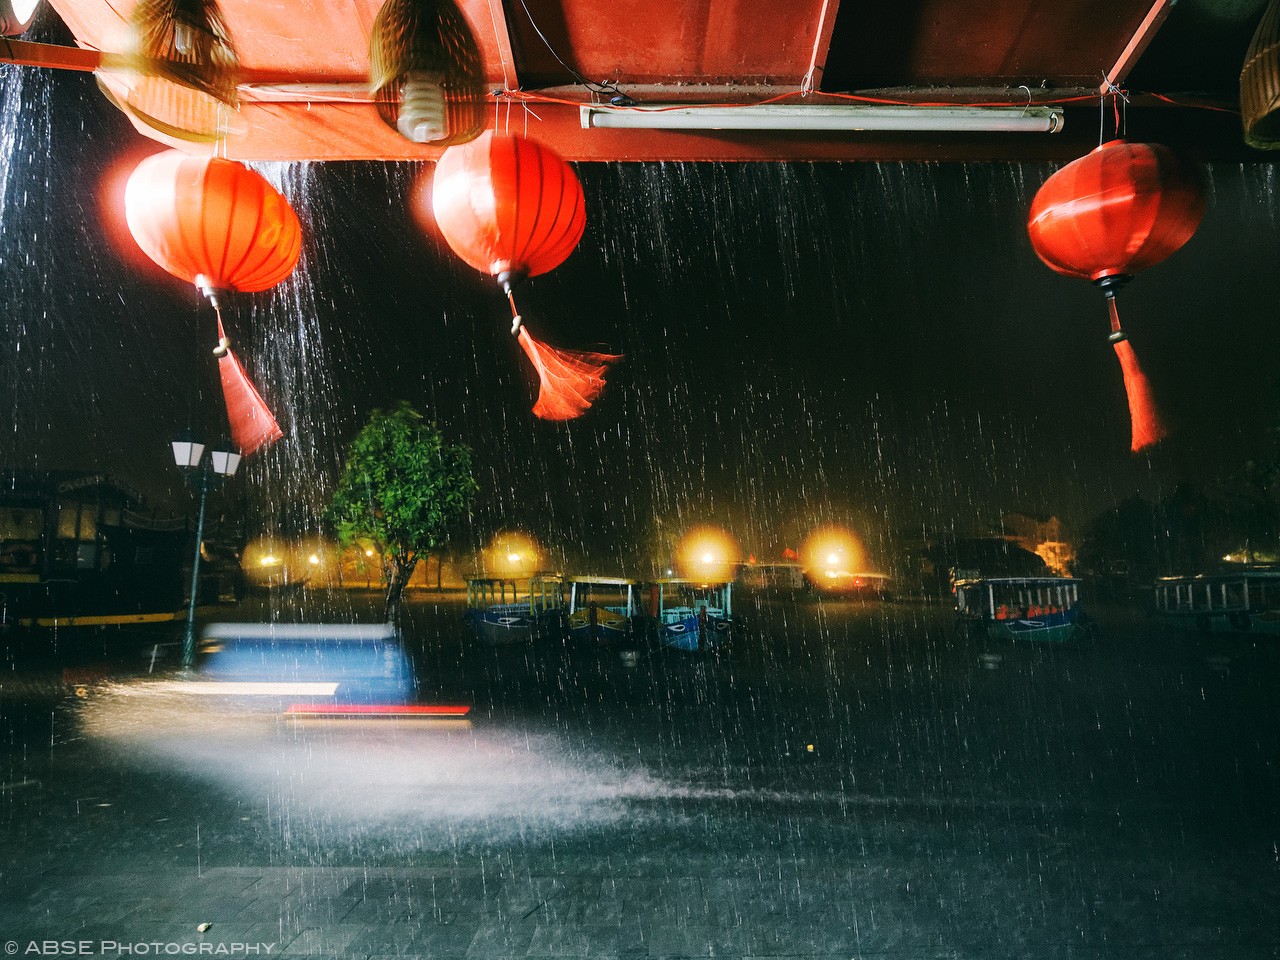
404,489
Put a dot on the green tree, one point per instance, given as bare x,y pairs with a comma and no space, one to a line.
403,488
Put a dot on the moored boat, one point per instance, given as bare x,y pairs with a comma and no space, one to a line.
76,551
1240,601
499,614
1045,609
692,616
602,610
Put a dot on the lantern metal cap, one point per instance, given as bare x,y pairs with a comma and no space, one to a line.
1110,285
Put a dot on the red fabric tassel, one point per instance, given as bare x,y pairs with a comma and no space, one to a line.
252,425
572,380
1143,416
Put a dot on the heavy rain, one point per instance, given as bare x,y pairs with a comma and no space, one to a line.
849,388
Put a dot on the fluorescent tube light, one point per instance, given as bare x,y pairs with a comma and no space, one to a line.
843,117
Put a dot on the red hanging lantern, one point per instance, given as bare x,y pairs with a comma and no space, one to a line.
508,206
221,226
212,222
1119,209
513,208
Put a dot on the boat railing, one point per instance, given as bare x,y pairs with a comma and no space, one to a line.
1015,599
621,610
623,605
1192,596
676,614
508,609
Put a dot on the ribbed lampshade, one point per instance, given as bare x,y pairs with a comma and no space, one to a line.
179,71
426,72
1260,83
16,16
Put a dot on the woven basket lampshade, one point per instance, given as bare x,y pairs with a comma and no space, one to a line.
426,72
16,16
179,72
1260,83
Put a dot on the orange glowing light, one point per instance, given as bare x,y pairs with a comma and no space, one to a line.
513,554
833,551
111,185
270,562
707,553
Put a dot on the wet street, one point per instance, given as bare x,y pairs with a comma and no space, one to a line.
850,780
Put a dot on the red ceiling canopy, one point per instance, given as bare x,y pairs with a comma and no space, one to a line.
304,81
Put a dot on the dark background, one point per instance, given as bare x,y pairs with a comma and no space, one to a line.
871,344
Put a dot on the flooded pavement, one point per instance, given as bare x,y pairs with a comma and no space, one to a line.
849,780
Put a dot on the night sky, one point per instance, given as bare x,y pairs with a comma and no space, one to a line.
868,344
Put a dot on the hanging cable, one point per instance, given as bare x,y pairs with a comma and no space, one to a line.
809,83
1118,97
598,89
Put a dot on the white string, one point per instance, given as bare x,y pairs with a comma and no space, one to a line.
1112,91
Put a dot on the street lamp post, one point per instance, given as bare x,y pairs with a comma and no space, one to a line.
205,473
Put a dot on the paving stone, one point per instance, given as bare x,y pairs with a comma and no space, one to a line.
501,940
194,907
332,940
669,940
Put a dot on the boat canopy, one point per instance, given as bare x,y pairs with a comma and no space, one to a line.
614,593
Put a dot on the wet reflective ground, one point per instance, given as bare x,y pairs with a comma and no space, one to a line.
851,780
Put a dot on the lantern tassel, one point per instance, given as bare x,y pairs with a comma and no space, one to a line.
571,380
252,425
1144,418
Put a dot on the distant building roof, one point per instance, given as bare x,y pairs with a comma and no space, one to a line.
43,484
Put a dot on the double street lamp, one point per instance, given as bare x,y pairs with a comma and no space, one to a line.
205,472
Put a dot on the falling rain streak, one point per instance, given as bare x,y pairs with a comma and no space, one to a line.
835,357
863,346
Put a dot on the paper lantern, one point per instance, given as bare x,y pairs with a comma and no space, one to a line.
513,208
212,222
508,206
219,225
1119,209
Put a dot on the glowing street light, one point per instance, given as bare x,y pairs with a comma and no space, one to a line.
205,472
706,553
513,554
